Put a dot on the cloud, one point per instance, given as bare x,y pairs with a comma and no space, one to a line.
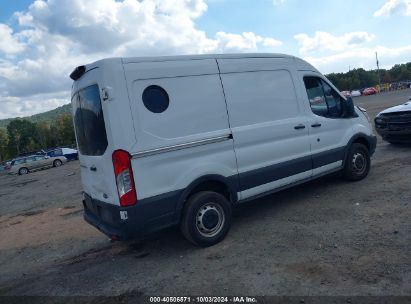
246,41
52,37
9,43
12,106
323,41
394,7
360,58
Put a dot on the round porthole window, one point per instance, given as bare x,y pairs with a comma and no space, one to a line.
155,99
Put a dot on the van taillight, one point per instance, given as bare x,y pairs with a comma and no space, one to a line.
124,178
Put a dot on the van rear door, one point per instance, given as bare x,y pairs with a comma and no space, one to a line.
92,139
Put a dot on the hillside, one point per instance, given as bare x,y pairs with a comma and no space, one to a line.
45,116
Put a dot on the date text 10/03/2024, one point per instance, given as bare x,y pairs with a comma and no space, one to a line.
236,299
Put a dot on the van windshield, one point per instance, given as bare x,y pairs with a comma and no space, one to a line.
89,121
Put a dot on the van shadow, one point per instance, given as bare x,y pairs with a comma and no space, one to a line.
252,210
393,150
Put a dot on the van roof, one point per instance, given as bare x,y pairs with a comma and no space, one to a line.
206,56
301,64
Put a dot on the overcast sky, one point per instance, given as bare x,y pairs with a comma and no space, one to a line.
42,41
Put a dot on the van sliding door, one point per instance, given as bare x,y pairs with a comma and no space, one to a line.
269,130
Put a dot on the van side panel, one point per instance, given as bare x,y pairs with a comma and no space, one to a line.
264,111
196,112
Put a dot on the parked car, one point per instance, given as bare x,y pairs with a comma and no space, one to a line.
37,152
26,164
7,165
355,93
182,140
346,93
70,154
369,91
394,124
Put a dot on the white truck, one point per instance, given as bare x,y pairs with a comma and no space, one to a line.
181,140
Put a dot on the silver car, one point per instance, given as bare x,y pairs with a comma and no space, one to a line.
26,164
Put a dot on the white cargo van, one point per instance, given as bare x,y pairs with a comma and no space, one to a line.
181,140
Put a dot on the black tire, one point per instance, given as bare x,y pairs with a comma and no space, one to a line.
57,163
210,227
358,162
23,171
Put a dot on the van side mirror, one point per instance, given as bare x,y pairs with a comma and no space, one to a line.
348,108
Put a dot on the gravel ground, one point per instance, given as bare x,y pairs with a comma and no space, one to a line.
326,237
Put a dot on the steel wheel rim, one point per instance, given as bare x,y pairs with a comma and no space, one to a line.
205,218
359,163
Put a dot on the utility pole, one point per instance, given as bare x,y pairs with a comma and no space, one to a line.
378,69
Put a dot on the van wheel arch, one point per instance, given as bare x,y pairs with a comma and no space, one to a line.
216,183
359,139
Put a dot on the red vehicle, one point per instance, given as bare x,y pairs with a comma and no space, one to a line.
369,91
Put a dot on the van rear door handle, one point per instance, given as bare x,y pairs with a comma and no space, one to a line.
316,125
300,126
93,168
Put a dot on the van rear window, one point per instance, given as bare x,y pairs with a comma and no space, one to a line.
89,121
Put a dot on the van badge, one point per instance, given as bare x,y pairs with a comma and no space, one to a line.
123,215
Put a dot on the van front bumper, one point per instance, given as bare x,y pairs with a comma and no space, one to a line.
132,222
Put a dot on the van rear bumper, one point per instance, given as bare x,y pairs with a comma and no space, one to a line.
112,232
132,222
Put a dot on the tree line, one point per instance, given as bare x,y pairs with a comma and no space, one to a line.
360,78
22,135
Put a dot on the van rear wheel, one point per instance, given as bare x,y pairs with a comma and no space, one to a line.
206,218
357,163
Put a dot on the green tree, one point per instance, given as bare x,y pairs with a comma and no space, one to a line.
21,134
43,134
387,77
360,78
3,144
65,129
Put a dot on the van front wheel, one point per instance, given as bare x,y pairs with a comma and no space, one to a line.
206,218
357,163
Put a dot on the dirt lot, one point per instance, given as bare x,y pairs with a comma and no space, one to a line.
327,237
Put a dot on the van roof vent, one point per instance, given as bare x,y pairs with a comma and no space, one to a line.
78,72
